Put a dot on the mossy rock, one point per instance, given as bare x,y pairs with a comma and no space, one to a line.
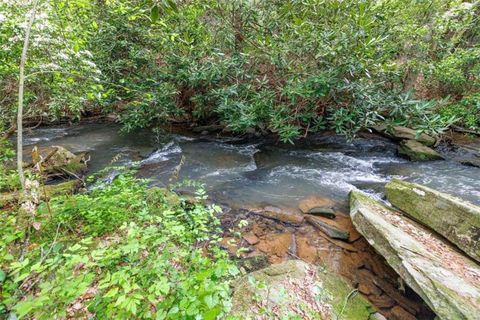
416,151
157,196
454,218
401,133
67,187
440,274
253,263
295,289
59,161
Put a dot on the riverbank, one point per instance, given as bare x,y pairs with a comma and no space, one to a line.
247,174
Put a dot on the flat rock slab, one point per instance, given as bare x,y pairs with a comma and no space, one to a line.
317,205
455,219
296,290
330,227
280,214
448,281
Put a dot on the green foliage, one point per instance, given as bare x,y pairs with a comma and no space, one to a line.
468,108
120,252
458,72
8,176
293,68
61,78
289,67
122,201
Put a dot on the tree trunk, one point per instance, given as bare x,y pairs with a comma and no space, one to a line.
20,95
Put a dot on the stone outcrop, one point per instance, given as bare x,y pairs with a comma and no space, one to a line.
355,260
455,219
296,289
404,133
447,281
416,151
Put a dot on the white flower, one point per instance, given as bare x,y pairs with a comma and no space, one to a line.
467,5
63,56
90,63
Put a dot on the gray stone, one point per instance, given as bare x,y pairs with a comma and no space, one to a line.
455,219
472,162
318,205
58,161
447,281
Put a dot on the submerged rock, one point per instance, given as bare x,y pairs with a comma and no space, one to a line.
455,219
295,289
445,279
416,151
317,206
404,133
472,162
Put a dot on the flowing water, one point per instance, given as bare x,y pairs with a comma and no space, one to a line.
244,173
240,172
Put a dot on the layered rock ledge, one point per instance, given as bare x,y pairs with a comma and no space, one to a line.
447,281
454,218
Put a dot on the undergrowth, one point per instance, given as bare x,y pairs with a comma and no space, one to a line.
121,251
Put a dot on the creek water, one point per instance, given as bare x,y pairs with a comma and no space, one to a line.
244,173
240,172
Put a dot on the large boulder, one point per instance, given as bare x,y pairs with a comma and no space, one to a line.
404,133
416,151
448,281
455,219
296,290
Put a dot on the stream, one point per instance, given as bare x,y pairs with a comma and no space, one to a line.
257,172
241,172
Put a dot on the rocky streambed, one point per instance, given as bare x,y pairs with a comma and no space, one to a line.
294,199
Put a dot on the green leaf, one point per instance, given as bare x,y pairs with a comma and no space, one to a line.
155,13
